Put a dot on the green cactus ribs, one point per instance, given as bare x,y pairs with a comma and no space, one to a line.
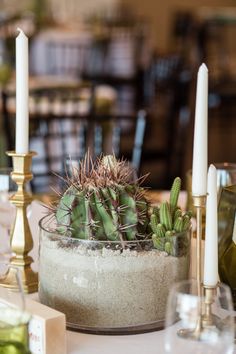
169,224
103,202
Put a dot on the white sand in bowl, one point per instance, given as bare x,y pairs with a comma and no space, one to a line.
107,288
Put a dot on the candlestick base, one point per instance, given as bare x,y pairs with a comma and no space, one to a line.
206,318
194,334
28,277
21,238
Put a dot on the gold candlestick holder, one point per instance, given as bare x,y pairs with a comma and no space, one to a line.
200,203
205,294
21,238
206,318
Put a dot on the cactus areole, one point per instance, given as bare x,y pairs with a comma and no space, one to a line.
103,202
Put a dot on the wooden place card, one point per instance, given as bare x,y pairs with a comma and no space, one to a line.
47,327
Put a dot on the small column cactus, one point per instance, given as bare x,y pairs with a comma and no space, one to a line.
169,220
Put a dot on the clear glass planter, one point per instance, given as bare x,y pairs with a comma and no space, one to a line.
108,287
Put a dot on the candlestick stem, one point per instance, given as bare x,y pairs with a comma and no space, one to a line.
199,202
21,238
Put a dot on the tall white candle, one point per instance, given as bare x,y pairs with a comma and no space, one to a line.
199,168
211,237
22,94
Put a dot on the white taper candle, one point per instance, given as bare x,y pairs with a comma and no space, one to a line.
22,94
199,168
211,236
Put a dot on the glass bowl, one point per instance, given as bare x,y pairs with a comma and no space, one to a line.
108,287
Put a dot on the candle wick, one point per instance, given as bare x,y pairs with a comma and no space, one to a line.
21,32
203,66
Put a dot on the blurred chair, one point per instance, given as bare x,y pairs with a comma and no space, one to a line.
167,83
68,122
108,56
59,52
217,48
67,58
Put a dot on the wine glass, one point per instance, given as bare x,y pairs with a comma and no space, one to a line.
193,326
7,211
14,320
7,185
226,176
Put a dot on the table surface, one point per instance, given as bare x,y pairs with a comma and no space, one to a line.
80,343
148,343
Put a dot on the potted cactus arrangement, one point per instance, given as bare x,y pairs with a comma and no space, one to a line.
107,256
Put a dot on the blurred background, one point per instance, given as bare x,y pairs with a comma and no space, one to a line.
119,77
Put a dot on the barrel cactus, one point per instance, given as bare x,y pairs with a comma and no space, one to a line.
168,220
103,202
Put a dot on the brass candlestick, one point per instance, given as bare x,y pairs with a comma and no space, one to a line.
208,319
200,203
21,238
205,318
206,294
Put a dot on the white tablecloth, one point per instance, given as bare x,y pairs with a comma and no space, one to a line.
148,343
